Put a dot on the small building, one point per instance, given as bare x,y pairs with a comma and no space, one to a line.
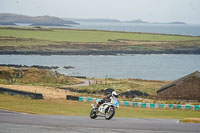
185,88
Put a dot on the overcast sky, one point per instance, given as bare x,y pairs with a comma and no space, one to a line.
147,10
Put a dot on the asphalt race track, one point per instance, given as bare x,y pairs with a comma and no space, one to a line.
14,122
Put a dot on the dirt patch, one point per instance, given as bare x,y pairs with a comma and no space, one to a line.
47,92
190,120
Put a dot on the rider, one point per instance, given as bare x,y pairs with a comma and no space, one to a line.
107,98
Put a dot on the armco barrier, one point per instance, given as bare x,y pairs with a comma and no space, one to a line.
139,104
21,93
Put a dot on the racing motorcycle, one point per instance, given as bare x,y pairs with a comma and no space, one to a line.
106,110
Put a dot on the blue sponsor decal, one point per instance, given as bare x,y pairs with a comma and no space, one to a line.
116,103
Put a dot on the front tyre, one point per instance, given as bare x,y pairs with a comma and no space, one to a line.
93,114
109,113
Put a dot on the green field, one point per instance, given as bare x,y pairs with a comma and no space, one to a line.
64,107
90,36
44,40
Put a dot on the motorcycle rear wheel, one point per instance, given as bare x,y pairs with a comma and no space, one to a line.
109,113
93,114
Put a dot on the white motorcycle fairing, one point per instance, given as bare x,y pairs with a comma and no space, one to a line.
106,110
103,107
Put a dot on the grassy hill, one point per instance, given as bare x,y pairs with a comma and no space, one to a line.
7,18
34,76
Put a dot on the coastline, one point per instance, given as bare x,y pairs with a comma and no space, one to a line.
89,52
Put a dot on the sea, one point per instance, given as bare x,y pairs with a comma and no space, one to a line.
177,29
150,67
160,28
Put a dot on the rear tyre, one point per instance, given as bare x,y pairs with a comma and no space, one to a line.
93,114
109,113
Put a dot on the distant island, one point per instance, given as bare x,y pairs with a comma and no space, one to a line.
118,21
136,21
177,23
13,19
93,20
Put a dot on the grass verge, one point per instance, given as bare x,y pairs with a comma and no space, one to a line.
64,107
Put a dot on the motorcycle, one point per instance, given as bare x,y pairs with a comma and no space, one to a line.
106,110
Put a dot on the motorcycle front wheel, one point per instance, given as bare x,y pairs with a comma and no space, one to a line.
93,114
109,113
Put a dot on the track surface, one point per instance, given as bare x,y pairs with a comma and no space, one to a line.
13,122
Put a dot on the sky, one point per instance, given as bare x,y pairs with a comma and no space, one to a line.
148,10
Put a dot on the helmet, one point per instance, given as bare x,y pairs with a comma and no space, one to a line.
114,94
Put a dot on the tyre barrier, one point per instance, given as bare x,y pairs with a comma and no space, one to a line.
139,104
188,107
179,106
161,106
197,107
89,99
152,105
126,103
21,93
70,97
80,99
170,106
135,104
143,105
